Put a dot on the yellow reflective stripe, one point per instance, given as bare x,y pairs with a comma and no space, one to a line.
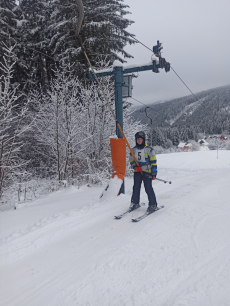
153,161
153,158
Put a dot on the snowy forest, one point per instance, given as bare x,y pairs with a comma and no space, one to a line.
55,125
43,33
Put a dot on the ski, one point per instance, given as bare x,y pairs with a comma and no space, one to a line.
126,212
146,215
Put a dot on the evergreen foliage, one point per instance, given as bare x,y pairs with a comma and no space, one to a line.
71,124
33,65
45,35
7,25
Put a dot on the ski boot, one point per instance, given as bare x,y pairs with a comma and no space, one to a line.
134,206
152,208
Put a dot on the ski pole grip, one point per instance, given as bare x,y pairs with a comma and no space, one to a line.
164,181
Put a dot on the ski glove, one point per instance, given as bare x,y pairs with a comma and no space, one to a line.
133,165
138,169
153,179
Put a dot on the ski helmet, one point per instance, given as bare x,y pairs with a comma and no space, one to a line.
140,135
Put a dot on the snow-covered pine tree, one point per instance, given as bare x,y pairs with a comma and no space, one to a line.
103,31
12,123
158,137
7,24
34,64
105,28
184,134
175,137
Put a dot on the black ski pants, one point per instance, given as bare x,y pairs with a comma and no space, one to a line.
147,178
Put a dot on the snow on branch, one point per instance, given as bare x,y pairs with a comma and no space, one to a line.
11,122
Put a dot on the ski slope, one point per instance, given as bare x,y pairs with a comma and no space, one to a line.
66,249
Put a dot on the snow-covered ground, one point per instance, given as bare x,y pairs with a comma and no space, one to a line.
66,249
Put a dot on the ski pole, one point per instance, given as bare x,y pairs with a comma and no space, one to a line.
164,181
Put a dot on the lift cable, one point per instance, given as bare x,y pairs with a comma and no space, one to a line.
170,67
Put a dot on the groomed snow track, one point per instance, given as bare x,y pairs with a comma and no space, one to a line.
67,249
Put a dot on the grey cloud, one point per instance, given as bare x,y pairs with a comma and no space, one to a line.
196,41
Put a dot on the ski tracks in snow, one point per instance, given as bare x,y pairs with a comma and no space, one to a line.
38,235
177,257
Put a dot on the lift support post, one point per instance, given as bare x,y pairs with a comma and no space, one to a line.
118,72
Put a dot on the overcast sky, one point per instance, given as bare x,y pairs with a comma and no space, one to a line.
196,40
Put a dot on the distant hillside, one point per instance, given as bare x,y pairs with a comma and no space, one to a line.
211,114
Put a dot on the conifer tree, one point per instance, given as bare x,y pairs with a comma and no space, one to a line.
33,64
45,35
176,137
7,24
103,31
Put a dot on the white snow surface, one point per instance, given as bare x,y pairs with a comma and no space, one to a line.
114,137
112,189
67,249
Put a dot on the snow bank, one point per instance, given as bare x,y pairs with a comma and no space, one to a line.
112,189
114,137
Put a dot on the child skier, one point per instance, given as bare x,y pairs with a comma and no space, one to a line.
146,158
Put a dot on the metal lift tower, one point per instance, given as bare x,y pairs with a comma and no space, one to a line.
119,72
